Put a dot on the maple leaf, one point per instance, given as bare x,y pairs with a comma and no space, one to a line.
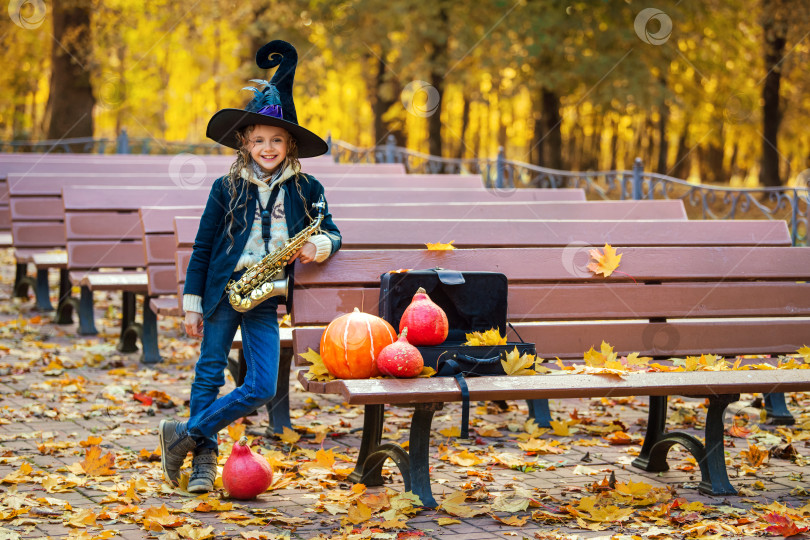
91,441
561,429
444,521
490,338
359,513
602,358
317,369
517,364
83,518
325,458
454,431
438,246
426,372
783,525
454,505
236,430
542,447
619,437
755,455
804,352
517,501
464,459
195,533
739,431
604,263
289,436
95,464
512,521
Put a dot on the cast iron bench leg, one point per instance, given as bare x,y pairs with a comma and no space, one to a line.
419,450
414,465
66,305
42,292
778,412
87,323
278,408
150,352
130,330
372,435
710,458
539,410
22,281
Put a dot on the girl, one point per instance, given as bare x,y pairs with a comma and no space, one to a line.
255,209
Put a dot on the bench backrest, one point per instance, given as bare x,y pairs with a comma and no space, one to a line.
161,245
685,300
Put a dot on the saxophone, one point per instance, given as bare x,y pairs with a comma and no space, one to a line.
256,285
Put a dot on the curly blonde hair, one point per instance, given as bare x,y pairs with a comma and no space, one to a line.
237,186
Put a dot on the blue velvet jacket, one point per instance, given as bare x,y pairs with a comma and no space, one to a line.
212,265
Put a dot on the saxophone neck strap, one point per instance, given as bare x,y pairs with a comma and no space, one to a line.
264,213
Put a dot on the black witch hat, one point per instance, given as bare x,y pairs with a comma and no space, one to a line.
271,105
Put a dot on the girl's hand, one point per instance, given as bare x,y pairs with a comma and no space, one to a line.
306,254
194,324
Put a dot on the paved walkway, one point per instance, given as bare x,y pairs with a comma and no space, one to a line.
71,404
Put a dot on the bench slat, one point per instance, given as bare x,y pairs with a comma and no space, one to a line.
36,208
91,255
315,306
38,234
727,337
363,267
115,226
445,389
115,281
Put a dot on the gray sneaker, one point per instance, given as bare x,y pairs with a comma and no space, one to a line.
173,450
203,472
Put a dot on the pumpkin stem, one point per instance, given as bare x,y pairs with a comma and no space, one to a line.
242,441
356,310
404,334
421,290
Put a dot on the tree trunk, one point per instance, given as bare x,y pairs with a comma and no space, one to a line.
774,26
552,133
682,162
711,163
614,145
663,144
465,124
538,134
438,68
70,98
383,96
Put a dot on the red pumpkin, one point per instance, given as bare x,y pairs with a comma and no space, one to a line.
246,474
351,343
400,359
427,322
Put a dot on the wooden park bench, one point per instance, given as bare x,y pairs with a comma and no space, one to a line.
30,196
686,300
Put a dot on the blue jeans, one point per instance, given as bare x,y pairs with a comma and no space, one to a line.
260,344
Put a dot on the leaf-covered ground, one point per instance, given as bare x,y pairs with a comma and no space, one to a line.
78,458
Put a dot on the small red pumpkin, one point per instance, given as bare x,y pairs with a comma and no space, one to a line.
426,321
246,474
400,359
351,343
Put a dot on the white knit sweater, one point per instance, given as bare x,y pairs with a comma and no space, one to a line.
250,256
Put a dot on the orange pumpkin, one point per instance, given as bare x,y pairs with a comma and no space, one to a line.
351,343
